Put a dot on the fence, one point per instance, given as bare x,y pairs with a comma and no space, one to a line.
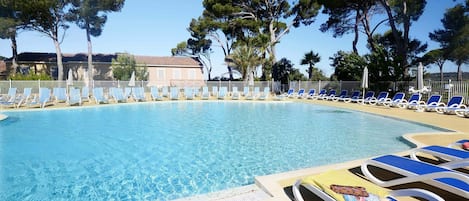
447,89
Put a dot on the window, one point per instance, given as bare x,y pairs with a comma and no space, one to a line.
176,74
191,74
161,74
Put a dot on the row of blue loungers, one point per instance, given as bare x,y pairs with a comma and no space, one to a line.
76,96
454,106
444,173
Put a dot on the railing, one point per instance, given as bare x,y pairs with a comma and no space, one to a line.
447,89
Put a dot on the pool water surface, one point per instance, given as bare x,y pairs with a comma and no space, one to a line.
169,150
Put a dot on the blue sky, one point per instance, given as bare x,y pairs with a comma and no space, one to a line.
149,27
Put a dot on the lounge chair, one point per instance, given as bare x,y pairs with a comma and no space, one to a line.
85,94
214,91
411,103
128,92
397,99
154,93
222,93
321,94
300,94
234,93
265,94
382,96
43,100
432,103
455,158
98,94
74,97
205,93
118,95
245,91
164,92
311,94
320,185
290,93
138,94
454,104
255,93
343,94
416,171
60,94
329,95
189,93
369,95
174,93
10,96
458,144
24,97
353,98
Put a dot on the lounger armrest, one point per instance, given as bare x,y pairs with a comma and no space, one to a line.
313,189
416,193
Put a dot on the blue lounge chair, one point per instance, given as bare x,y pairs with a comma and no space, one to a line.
98,94
255,93
154,93
265,94
369,95
311,93
356,95
196,91
321,94
174,93
343,94
85,94
127,92
235,93
74,97
300,94
222,93
456,158
118,95
164,92
138,94
10,96
214,91
382,96
245,91
189,93
24,97
205,93
455,103
416,171
329,95
290,93
411,103
432,103
43,100
397,99
320,184
60,94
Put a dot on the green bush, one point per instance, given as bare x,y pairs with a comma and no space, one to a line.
19,76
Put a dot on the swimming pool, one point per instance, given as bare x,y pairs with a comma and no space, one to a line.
168,150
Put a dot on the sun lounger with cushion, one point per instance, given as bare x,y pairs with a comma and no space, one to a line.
454,104
432,103
411,103
416,171
234,93
454,158
341,96
311,93
154,93
321,185
353,98
382,97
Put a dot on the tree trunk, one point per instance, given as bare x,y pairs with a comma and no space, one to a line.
355,30
14,50
90,53
459,72
441,73
310,72
60,67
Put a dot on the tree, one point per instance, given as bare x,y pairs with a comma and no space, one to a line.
348,66
436,56
402,12
124,65
351,16
9,23
454,38
246,59
310,59
90,15
281,70
49,18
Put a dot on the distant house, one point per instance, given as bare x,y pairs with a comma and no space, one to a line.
162,71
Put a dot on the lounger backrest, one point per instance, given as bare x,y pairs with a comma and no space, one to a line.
455,100
382,95
234,89
256,90
343,93
414,97
331,92
11,92
266,90
301,91
312,92
44,95
290,91
322,92
355,94
434,99
398,96
369,94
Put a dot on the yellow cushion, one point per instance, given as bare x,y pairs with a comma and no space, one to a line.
342,177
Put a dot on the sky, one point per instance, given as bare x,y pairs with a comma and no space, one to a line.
154,27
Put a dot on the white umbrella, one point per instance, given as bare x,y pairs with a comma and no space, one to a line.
420,77
132,79
70,77
365,80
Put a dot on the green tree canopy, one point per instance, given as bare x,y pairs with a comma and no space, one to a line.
124,65
310,59
246,59
348,66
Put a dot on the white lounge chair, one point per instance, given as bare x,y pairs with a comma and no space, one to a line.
396,100
454,158
265,94
43,100
255,93
235,93
85,94
155,93
222,93
343,94
60,94
455,103
205,93
353,98
74,97
24,97
432,103
462,112
382,96
98,94
320,185
174,93
138,94
189,93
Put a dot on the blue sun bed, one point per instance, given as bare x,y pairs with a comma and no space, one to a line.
456,158
455,103
416,171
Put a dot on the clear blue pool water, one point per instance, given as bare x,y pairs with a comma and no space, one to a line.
164,151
